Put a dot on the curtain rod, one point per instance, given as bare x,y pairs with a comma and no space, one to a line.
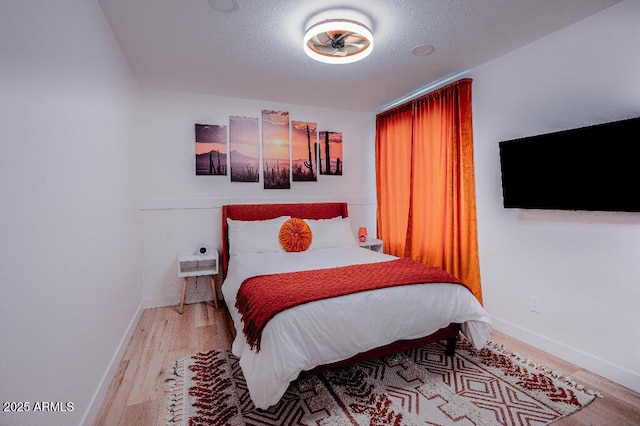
422,90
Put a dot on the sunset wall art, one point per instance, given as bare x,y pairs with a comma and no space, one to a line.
330,162
211,149
276,149
304,151
244,149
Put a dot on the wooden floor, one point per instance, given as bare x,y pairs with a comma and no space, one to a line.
136,395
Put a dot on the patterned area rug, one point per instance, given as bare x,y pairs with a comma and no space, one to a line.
418,387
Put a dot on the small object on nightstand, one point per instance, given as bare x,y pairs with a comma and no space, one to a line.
196,265
362,234
372,244
203,249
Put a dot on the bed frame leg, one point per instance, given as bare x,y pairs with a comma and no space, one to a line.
451,346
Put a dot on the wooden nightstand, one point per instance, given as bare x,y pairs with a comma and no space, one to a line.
196,265
372,244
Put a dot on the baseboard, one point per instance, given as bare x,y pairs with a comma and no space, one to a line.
98,397
160,302
604,368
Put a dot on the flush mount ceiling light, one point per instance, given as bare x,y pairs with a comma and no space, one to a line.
338,41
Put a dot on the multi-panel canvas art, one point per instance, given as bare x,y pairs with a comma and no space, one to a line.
304,151
244,149
279,149
330,162
211,149
275,150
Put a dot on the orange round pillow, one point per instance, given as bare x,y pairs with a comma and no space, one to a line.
295,235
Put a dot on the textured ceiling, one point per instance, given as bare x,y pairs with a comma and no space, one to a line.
256,52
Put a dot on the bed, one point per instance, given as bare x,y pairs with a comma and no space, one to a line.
339,330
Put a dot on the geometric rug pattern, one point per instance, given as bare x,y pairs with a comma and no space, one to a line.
420,386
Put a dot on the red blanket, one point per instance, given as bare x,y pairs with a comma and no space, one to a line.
261,297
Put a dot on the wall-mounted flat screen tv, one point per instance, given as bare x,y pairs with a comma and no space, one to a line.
590,168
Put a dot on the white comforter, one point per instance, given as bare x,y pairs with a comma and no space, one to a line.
331,330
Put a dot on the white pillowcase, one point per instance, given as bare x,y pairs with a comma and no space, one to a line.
255,236
327,233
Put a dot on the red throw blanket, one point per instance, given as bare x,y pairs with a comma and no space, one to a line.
261,297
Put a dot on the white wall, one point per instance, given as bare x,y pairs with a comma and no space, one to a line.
69,234
181,210
584,266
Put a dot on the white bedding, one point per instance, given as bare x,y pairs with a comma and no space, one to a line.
334,329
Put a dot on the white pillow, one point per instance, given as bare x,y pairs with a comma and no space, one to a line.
255,236
327,233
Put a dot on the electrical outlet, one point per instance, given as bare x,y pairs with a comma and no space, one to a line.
534,304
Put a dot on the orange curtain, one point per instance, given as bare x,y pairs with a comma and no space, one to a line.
425,182
391,186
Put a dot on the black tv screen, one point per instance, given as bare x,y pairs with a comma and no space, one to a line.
589,168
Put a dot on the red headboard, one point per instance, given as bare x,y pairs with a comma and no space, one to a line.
270,211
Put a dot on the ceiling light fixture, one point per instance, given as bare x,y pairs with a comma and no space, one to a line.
338,41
